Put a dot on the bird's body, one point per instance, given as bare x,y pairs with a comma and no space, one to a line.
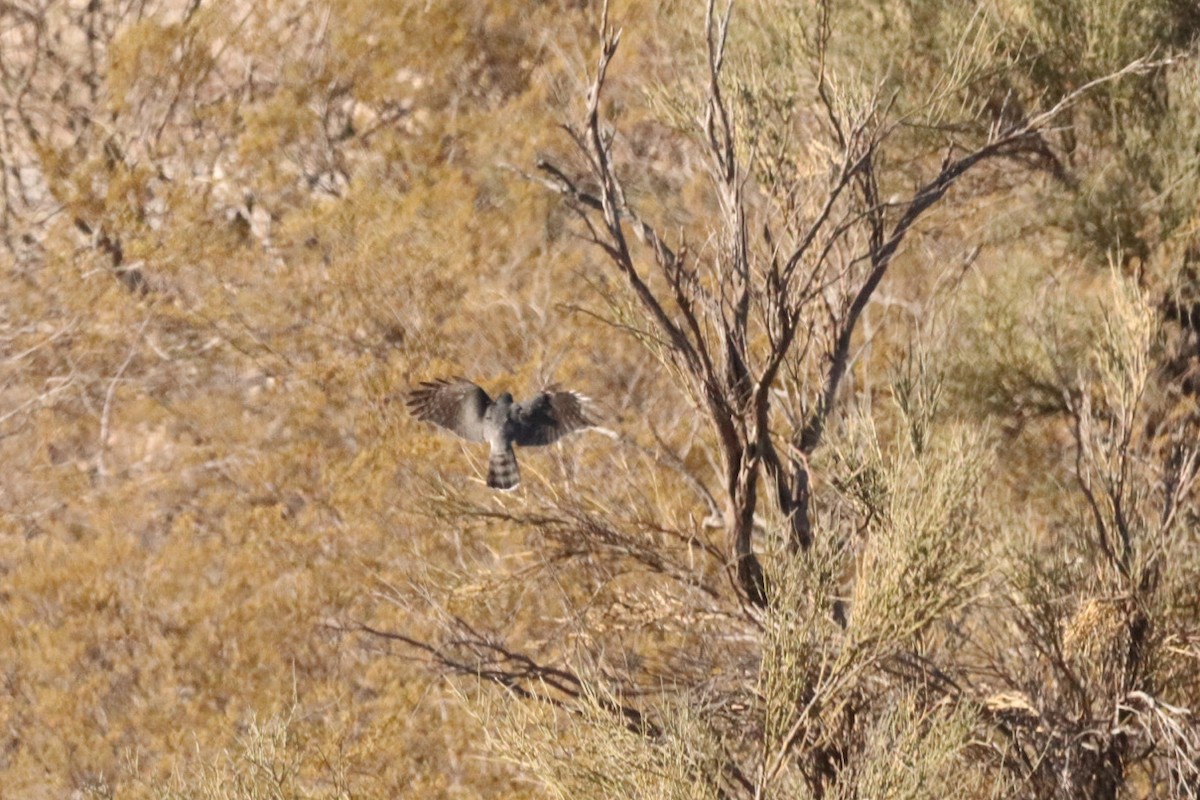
503,472
463,408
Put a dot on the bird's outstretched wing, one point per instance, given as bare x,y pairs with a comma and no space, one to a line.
455,404
548,417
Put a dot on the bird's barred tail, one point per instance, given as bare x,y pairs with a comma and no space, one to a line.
502,469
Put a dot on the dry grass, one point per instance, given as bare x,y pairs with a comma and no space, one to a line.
233,236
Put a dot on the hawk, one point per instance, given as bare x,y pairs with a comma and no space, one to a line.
462,407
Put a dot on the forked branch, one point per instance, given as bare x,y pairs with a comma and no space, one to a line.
733,317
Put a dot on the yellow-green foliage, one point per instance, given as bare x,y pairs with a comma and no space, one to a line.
207,481
235,234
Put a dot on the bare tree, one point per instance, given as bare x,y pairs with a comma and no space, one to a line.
784,291
761,324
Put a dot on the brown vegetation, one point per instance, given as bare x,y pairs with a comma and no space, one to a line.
890,310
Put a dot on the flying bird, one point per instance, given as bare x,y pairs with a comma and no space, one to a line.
463,408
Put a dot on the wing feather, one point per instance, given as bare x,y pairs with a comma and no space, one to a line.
548,417
455,404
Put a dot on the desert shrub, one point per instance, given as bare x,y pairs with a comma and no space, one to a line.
888,310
